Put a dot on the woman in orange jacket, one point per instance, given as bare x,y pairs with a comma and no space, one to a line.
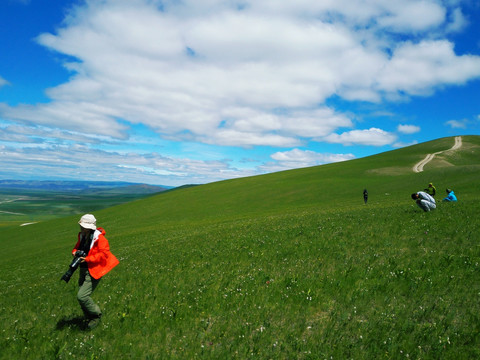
98,261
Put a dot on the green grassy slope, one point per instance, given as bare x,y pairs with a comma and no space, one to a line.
285,265
332,186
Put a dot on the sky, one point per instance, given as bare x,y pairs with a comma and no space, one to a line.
178,92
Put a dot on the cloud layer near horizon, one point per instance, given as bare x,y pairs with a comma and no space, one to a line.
246,73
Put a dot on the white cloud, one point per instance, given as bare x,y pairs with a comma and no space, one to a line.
417,69
372,136
246,139
78,161
412,15
458,22
402,144
397,15
3,82
457,124
87,117
242,73
289,125
12,133
408,129
297,158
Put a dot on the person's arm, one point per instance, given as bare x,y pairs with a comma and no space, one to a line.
421,196
101,255
77,245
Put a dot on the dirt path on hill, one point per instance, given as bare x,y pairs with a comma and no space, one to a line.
419,166
28,224
11,213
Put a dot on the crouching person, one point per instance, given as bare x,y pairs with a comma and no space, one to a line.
450,196
425,201
97,262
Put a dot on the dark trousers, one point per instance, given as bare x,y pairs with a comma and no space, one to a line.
87,285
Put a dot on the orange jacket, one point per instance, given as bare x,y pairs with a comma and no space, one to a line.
99,259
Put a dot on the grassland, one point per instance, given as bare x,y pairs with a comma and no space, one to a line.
290,265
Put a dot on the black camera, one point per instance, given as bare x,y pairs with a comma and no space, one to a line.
74,265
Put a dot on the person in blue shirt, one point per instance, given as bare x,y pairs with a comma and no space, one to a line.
450,196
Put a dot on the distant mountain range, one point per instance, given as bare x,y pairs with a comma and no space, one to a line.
83,186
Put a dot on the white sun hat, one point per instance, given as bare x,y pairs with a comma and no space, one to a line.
88,221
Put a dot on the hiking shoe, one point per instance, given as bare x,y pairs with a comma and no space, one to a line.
93,323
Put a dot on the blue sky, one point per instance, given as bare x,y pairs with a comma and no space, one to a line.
195,91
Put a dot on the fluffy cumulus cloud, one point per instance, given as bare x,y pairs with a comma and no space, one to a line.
304,158
417,69
240,72
457,124
408,129
372,136
244,72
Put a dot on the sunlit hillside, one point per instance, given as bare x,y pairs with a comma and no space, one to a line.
388,178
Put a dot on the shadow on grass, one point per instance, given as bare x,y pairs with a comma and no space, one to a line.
71,323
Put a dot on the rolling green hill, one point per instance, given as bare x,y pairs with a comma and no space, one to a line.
285,265
388,177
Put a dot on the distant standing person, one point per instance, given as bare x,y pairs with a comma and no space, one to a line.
365,196
450,196
431,190
425,201
98,261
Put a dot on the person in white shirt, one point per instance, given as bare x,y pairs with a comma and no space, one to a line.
425,201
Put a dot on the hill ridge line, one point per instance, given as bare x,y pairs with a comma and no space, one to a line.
419,166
